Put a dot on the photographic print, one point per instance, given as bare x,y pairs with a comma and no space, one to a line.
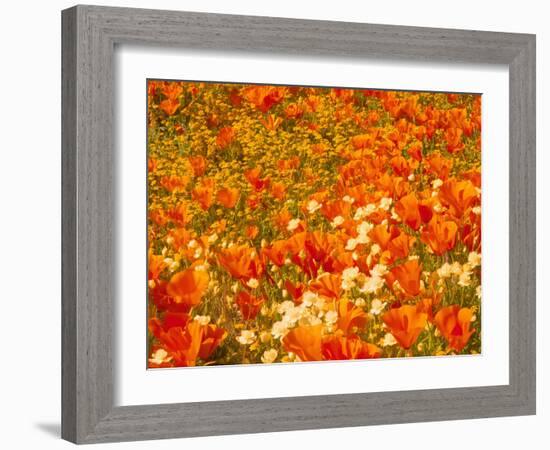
293,223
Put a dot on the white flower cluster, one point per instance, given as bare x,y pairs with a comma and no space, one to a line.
462,271
312,206
337,221
348,199
377,306
362,236
310,312
203,320
293,224
375,281
364,211
247,337
352,277
160,357
388,340
348,278
269,356
385,203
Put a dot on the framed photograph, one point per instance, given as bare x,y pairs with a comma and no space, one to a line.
277,224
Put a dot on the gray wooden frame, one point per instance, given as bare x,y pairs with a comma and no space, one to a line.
89,37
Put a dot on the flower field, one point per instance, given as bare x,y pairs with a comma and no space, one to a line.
291,224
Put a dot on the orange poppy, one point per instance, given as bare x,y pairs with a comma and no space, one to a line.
188,286
179,214
339,260
470,233
228,197
405,324
281,219
362,141
346,95
453,138
170,319
381,235
328,285
293,111
163,301
319,247
212,121
359,192
440,235
296,290
174,183
277,252
241,261
152,164
225,137
264,97
278,190
336,208
400,166
425,208
454,322
155,265
419,132
408,275
372,118
204,193
312,103
426,305
212,337
170,106
458,196
408,107
415,150
183,344
253,201
399,187
153,88
305,342
235,97
439,166
172,89
296,242
288,164
352,347
198,164
350,316
175,319
272,122
407,209
474,175
251,231
179,129
179,237
249,305
400,246
253,177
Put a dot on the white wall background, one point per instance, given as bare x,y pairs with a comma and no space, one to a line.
30,236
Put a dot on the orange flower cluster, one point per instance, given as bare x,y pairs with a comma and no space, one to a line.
294,223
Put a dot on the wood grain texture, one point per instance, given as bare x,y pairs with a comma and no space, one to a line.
68,227
90,34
